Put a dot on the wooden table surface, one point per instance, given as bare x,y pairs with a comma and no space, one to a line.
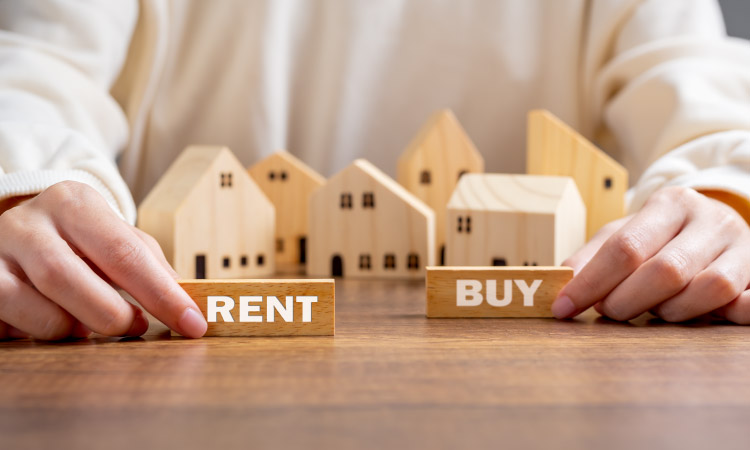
390,378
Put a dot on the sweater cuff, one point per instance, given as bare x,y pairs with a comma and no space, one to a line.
22,183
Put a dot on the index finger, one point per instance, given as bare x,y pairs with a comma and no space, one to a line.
88,223
637,241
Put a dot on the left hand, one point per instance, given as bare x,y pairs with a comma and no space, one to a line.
682,256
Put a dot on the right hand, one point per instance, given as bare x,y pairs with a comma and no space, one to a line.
62,252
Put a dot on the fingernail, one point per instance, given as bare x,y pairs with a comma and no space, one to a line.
139,326
563,307
192,324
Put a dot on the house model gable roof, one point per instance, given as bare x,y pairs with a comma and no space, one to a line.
512,193
185,174
284,156
544,118
441,126
367,169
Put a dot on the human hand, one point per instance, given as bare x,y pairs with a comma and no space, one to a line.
59,253
682,256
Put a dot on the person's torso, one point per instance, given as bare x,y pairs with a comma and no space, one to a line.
332,81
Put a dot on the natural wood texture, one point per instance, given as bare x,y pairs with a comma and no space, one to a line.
433,162
207,205
494,291
390,378
553,148
295,307
365,225
288,183
514,220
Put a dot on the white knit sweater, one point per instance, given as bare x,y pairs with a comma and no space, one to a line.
109,92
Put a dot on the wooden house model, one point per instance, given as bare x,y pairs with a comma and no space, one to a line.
363,224
288,183
434,161
514,220
210,218
553,148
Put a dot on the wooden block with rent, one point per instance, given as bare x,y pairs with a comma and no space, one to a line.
265,307
494,291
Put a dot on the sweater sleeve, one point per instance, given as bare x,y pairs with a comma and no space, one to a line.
669,93
58,121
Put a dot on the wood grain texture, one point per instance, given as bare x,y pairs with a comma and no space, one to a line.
514,220
494,291
431,165
322,311
554,148
288,183
390,378
369,226
207,205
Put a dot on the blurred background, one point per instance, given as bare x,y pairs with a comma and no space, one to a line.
737,16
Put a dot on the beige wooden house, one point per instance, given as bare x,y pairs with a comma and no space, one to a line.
514,220
288,183
210,218
363,224
434,161
554,148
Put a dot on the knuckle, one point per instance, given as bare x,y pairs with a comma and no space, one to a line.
728,221
68,196
57,326
672,269
124,254
671,315
584,283
670,193
115,320
15,223
628,249
152,243
738,317
163,299
8,285
50,273
613,312
681,193
721,284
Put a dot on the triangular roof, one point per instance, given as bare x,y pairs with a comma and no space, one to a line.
512,193
184,174
439,122
543,118
367,169
285,156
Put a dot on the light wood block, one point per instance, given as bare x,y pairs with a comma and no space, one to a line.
210,218
469,291
554,148
363,224
514,220
434,161
288,183
277,307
